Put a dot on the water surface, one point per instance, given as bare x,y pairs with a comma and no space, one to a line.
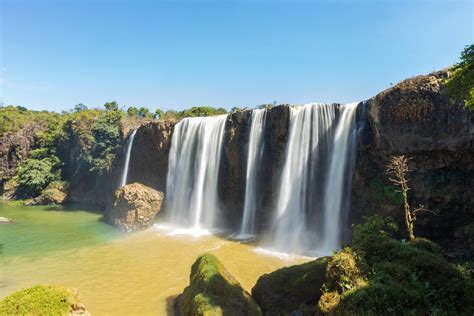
115,273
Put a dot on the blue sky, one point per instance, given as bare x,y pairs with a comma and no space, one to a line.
178,54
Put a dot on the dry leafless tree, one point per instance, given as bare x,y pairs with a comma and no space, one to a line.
398,170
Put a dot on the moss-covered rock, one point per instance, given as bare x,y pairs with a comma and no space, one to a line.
48,197
409,278
43,300
214,291
290,289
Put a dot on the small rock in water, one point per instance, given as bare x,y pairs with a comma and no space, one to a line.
4,220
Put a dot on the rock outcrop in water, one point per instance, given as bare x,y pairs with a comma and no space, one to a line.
135,207
214,291
49,197
294,289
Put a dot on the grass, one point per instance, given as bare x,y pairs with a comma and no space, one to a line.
38,300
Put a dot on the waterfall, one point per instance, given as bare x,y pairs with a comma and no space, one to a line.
127,158
254,156
191,191
312,189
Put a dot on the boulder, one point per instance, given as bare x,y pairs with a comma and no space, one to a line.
135,207
4,220
294,289
214,291
48,197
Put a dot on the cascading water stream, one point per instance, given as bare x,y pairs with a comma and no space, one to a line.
311,190
196,145
127,158
339,178
254,157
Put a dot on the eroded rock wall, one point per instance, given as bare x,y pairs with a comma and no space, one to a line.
417,119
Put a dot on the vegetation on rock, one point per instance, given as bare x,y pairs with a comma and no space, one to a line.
214,291
70,146
402,277
460,85
42,300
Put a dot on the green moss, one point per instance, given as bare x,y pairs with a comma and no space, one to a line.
38,300
426,244
404,277
214,291
385,192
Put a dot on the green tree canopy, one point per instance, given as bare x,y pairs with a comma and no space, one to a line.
111,106
460,85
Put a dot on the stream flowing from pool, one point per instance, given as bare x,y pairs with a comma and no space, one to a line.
115,273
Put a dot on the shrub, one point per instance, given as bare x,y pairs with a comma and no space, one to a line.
38,300
328,301
344,271
34,175
460,85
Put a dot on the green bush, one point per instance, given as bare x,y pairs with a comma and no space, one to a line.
460,85
404,278
34,175
385,193
38,300
106,134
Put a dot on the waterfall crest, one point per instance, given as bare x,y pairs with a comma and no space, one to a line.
313,182
127,158
254,157
191,191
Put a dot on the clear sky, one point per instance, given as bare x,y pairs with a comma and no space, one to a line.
178,54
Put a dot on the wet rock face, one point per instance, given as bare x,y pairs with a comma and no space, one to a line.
149,155
233,168
416,118
14,148
135,207
416,115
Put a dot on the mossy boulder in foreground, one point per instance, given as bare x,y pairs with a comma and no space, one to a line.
214,291
43,300
296,288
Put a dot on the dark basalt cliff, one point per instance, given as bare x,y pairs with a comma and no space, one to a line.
149,157
234,163
416,118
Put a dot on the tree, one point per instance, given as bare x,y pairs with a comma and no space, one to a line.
143,112
159,114
111,106
34,175
460,85
132,111
398,168
106,137
80,107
